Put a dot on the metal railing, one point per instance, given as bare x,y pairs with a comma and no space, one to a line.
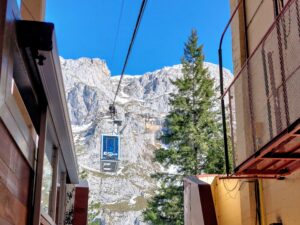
264,98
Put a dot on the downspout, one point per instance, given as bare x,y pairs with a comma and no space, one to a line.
222,89
261,202
246,29
223,113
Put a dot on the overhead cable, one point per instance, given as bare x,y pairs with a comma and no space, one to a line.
139,19
118,31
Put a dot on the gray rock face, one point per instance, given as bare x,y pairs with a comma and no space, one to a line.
142,104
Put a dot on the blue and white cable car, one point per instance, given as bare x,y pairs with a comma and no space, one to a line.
110,152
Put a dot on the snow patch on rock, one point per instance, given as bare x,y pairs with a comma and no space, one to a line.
119,198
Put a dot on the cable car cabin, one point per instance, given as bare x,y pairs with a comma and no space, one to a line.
110,152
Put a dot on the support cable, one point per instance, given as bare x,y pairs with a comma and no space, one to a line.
139,19
118,30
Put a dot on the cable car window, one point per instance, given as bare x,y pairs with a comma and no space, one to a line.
110,147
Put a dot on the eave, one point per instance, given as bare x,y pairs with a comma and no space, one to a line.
38,43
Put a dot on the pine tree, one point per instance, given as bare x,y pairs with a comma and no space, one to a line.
193,137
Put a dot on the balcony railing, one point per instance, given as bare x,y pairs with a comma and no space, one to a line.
263,102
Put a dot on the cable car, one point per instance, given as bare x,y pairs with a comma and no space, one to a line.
110,152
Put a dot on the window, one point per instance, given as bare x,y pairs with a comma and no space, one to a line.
46,184
50,180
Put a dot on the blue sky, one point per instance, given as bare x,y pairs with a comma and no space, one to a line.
88,29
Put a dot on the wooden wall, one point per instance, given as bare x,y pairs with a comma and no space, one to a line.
18,147
15,174
81,206
15,171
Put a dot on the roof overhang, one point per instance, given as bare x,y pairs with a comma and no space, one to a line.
38,43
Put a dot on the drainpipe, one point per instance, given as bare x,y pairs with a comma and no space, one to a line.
222,89
261,202
223,113
246,30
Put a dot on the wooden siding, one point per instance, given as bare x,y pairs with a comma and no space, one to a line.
15,174
81,206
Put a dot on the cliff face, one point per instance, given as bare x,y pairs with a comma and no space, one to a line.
142,104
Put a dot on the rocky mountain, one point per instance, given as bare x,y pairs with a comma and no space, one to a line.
142,104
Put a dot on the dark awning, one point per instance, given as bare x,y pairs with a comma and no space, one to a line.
44,84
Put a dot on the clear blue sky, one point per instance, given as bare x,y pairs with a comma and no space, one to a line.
88,29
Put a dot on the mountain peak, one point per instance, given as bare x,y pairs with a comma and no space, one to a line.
142,104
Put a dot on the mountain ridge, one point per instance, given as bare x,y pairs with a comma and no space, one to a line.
142,104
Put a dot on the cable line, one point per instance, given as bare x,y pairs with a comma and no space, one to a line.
118,30
140,16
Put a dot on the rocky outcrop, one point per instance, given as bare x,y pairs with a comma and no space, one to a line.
142,104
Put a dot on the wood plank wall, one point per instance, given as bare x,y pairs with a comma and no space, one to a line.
15,176
81,206
15,172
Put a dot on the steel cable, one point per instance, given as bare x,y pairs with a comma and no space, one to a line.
138,22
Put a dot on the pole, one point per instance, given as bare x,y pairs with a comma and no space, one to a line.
222,89
223,113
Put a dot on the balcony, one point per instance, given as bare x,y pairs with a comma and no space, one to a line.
263,102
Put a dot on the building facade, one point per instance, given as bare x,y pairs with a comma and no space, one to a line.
262,117
39,181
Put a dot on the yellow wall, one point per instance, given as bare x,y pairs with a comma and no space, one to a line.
235,201
282,199
226,197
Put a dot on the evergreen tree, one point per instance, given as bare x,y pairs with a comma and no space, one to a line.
193,136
